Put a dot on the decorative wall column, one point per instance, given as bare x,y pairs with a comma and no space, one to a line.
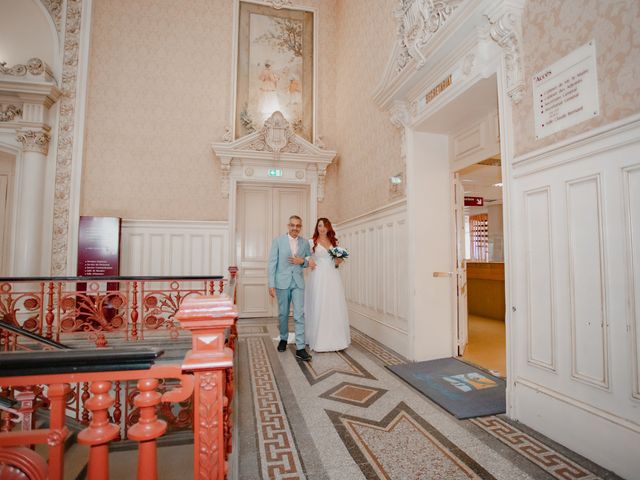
28,248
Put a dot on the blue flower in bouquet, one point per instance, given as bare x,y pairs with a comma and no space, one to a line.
338,252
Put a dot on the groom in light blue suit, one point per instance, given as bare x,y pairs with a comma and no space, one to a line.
290,254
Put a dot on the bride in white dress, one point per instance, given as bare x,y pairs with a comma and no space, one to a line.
325,308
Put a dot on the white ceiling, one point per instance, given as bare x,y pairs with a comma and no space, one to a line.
471,105
480,181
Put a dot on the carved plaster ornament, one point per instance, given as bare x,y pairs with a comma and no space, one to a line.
507,33
248,172
278,4
34,141
54,7
276,136
399,114
467,64
320,143
299,174
227,137
9,113
34,66
418,21
322,172
225,166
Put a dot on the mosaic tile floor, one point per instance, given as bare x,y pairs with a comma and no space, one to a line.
344,416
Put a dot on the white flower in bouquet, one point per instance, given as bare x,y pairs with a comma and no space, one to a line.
338,252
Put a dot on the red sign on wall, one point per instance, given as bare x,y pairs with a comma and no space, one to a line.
473,201
99,247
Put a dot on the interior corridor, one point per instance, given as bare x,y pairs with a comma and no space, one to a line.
487,345
345,416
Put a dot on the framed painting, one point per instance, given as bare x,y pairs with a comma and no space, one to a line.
275,68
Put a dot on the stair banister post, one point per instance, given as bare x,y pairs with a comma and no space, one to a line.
57,394
100,431
207,317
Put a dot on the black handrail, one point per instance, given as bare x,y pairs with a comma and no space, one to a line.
110,279
33,336
20,364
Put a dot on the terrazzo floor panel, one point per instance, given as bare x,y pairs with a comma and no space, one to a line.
344,416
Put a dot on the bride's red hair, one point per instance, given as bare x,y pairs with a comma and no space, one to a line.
331,234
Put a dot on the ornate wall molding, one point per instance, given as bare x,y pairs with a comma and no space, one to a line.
418,21
400,118
34,66
9,113
34,141
275,145
225,169
54,7
66,139
507,32
278,4
399,114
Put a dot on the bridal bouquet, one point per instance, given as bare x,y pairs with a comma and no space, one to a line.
338,252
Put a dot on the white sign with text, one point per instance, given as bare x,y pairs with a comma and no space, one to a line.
566,93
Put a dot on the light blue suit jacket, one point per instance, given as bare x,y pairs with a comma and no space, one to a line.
280,270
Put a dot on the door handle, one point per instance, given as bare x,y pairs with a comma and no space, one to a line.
442,274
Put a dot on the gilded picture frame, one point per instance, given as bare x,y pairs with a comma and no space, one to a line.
275,68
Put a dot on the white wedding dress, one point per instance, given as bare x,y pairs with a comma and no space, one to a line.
325,308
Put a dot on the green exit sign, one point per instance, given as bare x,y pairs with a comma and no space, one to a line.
275,172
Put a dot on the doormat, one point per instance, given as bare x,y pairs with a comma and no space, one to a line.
459,388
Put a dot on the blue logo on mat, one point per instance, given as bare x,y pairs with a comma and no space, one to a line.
468,382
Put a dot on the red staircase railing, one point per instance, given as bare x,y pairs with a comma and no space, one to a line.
100,309
205,375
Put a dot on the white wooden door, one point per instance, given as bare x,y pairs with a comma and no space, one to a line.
461,265
263,212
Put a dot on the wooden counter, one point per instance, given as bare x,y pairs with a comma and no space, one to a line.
485,287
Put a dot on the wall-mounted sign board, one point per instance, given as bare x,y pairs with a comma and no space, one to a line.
473,201
566,93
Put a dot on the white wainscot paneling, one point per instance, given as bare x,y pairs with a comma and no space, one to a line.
540,278
631,187
375,275
575,275
586,274
159,247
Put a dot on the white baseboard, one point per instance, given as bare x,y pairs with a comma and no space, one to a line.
609,444
390,336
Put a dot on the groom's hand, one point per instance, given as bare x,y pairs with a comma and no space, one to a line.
296,260
272,292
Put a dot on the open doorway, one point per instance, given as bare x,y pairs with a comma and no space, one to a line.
482,252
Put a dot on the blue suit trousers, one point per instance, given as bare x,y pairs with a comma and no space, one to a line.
286,296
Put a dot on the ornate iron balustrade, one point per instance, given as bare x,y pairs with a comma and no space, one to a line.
206,372
97,308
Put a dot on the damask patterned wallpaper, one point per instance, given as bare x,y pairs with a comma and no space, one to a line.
366,141
552,29
159,93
